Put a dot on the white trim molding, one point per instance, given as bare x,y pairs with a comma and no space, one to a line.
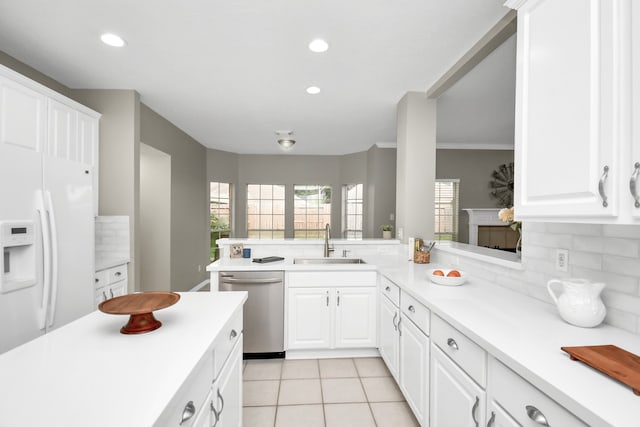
514,4
473,146
386,144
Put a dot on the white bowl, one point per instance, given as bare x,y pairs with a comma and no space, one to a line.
447,281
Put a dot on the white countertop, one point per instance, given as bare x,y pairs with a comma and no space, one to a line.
89,374
526,335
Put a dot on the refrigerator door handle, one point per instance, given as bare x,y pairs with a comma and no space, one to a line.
54,258
46,255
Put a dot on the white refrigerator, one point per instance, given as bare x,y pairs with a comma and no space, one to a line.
47,242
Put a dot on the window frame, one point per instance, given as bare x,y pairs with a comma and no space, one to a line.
346,204
266,233
454,234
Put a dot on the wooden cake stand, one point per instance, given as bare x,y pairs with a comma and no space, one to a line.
140,308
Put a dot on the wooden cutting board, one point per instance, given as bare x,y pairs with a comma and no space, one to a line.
610,360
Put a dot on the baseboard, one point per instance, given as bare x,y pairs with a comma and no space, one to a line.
332,354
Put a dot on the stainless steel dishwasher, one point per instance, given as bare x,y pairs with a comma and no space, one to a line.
263,311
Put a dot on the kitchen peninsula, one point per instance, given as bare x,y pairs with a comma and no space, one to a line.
88,373
513,340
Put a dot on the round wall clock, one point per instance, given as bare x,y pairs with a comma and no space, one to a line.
502,185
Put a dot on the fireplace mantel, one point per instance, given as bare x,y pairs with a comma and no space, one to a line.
478,217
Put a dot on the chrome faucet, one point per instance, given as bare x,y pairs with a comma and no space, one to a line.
327,249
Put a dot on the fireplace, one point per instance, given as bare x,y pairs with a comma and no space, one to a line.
485,229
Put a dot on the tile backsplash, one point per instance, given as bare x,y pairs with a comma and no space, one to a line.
112,237
602,253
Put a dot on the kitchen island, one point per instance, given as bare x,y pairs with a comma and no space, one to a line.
89,374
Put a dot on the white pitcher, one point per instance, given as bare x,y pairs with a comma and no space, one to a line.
579,303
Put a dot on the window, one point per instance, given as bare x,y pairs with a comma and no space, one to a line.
312,210
446,209
265,211
352,206
220,212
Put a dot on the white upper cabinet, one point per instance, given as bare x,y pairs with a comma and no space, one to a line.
23,115
63,131
572,147
632,163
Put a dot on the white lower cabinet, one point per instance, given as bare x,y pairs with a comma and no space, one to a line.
224,407
111,283
388,343
456,400
331,317
414,368
498,417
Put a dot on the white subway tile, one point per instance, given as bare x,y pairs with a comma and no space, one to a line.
622,302
539,252
588,243
585,259
624,231
614,282
623,247
548,240
622,320
575,229
620,265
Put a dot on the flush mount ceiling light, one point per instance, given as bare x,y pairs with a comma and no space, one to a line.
285,140
313,90
112,40
318,46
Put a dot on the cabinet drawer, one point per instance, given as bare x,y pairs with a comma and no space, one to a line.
331,278
415,311
225,341
390,289
118,273
519,398
467,354
191,396
101,278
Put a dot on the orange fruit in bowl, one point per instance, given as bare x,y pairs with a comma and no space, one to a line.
438,273
453,273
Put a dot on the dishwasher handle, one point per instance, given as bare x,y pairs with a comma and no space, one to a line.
251,281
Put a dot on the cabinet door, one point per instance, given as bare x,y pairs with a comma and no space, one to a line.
355,319
63,131
414,368
88,149
455,399
566,140
23,116
632,198
388,342
498,417
308,320
117,289
205,417
228,391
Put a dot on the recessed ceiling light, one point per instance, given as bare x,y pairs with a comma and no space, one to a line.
112,40
313,90
318,46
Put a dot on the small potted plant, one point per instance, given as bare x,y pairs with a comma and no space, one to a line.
386,231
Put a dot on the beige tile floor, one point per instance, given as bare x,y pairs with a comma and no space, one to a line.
323,393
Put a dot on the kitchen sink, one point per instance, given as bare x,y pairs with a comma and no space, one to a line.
328,261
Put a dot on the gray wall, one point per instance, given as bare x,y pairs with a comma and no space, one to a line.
473,168
189,196
380,190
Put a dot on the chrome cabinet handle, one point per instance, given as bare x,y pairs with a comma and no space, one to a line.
394,321
473,411
104,294
399,330
388,289
216,414
603,180
633,184
188,412
338,299
412,309
492,420
221,402
233,334
118,274
111,292
452,343
97,280
536,416
327,298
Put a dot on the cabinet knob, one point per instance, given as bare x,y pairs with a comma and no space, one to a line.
536,416
601,183
118,274
233,334
188,412
388,289
633,182
412,309
452,343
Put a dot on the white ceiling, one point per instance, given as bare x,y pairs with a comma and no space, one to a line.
231,73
